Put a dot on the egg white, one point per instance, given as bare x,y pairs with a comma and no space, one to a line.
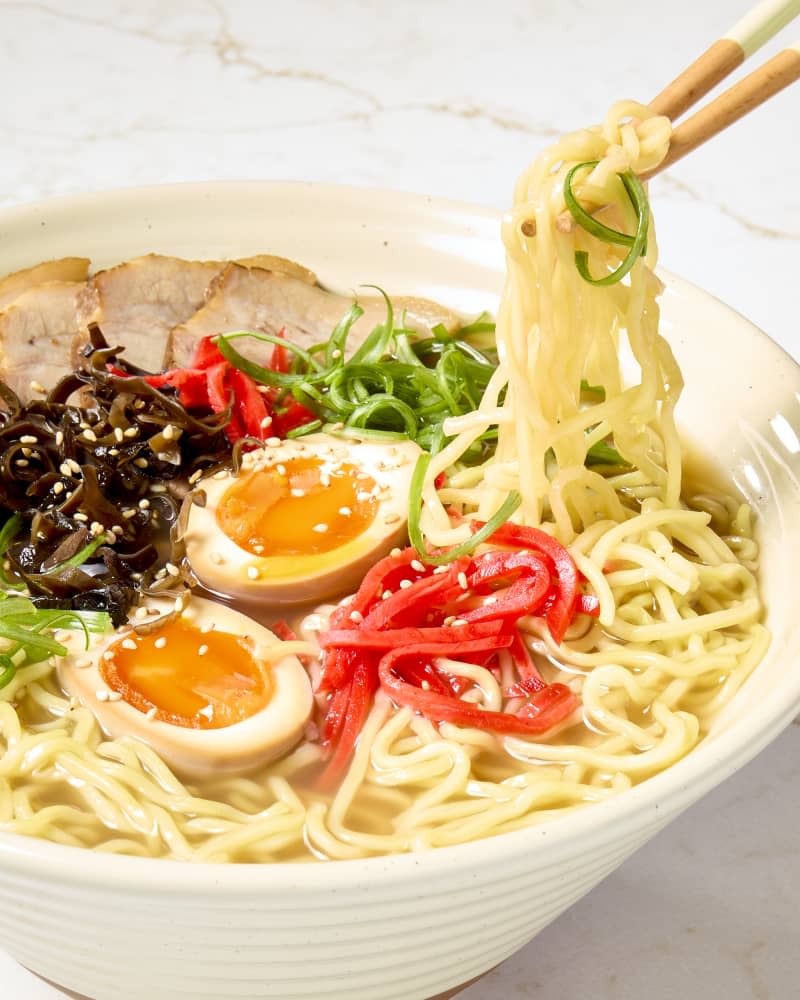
225,568
240,747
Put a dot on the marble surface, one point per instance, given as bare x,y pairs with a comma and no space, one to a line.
452,98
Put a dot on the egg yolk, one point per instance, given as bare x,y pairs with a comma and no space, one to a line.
303,506
192,678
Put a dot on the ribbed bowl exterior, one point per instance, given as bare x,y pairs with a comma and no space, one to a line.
361,943
409,926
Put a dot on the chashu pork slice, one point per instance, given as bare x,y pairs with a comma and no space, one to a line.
267,302
137,303
37,334
65,269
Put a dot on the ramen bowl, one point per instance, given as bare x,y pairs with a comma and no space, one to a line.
408,926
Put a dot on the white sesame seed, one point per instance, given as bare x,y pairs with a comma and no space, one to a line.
28,439
195,476
462,581
22,462
345,511
84,425
222,474
151,713
338,426
65,469
113,452
179,605
262,388
396,552
252,572
59,438
258,549
336,354
321,528
158,488
102,694
83,662
117,529
417,565
363,495
97,529
144,504
440,569
449,621
208,627
281,470
405,584
215,558
160,642
202,650
37,386
325,480
128,644
108,656
168,433
265,423
392,519
89,434
140,462
118,435
272,442
129,513
459,621
172,569
80,517
140,613
130,432
386,595
492,599
297,493
114,696
160,574
357,617
58,488
425,685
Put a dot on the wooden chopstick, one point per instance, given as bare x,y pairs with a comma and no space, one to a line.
750,92
745,38
758,26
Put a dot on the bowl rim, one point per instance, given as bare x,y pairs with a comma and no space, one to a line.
638,808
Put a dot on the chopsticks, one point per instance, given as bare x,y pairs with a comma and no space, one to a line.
758,26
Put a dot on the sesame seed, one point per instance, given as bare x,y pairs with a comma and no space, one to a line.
114,696
140,613
208,627
130,432
281,470
222,474
202,650
252,572
117,529
160,574
363,495
108,656
144,504
459,621
179,605
325,480
425,685
168,433
386,595
492,599
440,569
297,493
417,565
357,617
138,404
321,528
113,452
395,553
83,662
89,434
392,519
59,438
65,469
405,584
262,388
345,511
140,462
215,558
128,644
80,517
110,537
37,386
158,488
150,714
129,513
97,529
338,426
336,354
462,581
160,642
272,442
118,435
84,425
195,476
102,694
28,439
258,549
22,462
265,423
172,569
449,620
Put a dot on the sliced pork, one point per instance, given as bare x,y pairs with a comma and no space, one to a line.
267,302
66,269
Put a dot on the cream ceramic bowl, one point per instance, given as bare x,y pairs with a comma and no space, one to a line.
407,927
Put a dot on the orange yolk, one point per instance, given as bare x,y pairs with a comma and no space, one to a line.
199,680
299,507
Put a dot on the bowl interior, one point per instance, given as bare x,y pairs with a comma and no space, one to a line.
741,402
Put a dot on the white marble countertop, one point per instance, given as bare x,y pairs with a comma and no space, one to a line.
453,98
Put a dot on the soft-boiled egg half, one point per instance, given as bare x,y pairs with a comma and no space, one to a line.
209,690
303,519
